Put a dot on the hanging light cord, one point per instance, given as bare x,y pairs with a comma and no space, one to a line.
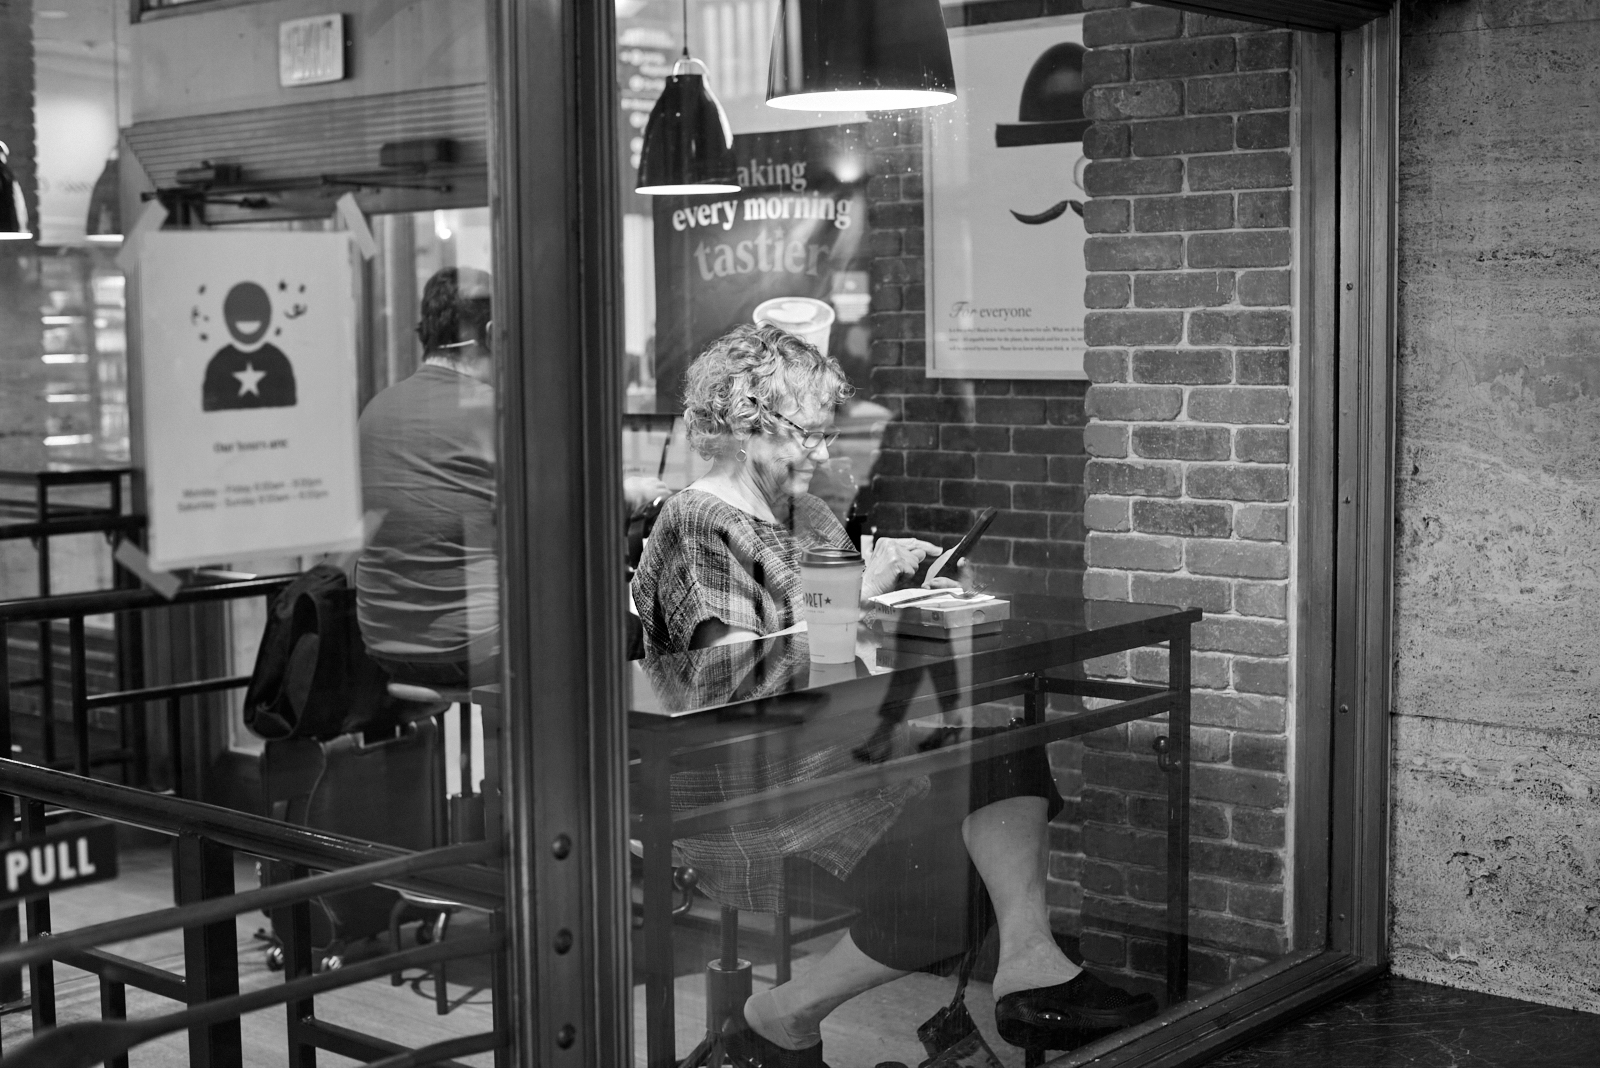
685,29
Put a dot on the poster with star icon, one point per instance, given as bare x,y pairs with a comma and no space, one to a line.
249,389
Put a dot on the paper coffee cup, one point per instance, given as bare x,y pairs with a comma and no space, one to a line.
830,583
807,318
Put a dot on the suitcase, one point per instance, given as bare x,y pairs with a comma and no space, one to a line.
389,790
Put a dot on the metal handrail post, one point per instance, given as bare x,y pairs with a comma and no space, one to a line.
202,870
41,976
78,683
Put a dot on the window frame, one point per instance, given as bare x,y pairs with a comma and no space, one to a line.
558,275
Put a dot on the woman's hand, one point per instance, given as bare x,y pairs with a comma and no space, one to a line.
892,558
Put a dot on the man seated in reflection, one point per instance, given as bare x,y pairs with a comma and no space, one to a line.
427,582
722,568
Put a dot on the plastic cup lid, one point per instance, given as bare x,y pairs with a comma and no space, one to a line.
830,558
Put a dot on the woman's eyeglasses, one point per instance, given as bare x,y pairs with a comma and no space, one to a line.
809,439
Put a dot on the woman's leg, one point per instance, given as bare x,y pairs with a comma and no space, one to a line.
1007,842
791,1015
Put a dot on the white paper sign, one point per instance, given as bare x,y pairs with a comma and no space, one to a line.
1003,206
249,347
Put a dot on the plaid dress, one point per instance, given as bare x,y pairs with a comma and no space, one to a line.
709,560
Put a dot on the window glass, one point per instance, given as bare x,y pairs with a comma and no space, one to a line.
1046,307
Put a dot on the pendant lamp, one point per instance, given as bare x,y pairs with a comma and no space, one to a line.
860,55
13,209
688,144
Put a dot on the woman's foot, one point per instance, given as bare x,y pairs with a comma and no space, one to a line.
769,1016
1037,963
1069,1014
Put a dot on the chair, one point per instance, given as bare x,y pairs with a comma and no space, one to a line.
463,816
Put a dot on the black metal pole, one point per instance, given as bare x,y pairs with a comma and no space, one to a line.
204,869
41,976
1178,679
78,681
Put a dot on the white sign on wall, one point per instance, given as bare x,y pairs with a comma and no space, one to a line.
311,51
1003,205
249,386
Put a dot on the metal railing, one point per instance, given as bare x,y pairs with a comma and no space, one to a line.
74,608
206,839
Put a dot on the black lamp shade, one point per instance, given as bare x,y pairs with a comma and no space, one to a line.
688,146
860,55
13,210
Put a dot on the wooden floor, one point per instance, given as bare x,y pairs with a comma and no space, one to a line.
876,1027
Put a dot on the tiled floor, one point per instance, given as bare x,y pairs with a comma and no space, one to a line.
1397,1023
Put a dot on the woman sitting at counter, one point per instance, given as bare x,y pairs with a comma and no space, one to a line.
723,566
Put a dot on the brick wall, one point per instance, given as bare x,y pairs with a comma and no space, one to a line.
21,341
1189,481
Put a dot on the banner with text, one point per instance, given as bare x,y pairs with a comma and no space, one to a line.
791,231
249,369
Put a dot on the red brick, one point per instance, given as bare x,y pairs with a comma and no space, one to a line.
1187,289
1240,170
937,409
1105,328
1238,92
1262,445
1249,404
1261,599
905,489
1262,367
933,521
1258,828
1237,559
1107,140
1235,862
964,494
1235,786
1132,552
1104,842
965,437
1106,365
1182,366
1186,518
1199,25
1106,951
1102,439
1265,51
1264,288
1260,751
1015,524
1246,248
1253,637
1257,522
1009,467
927,464
1235,933
890,463
1130,25
1010,410
1264,129
1183,58
1182,137
1136,403
899,380
911,436
1255,327
1068,469
1263,903
1108,514
1251,712
1105,216
1181,442
1103,65
1238,482
1118,177
1210,595
1133,100
1055,440
1050,554
1211,211
1262,210
1133,252
1131,479
1104,586
1261,676
1207,670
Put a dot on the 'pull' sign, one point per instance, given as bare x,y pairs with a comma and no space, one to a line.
75,855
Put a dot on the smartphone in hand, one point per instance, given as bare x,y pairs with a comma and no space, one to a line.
950,560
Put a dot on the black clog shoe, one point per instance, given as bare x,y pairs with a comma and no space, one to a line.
748,1047
1069,1014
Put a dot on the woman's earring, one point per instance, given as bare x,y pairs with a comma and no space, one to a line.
741,456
